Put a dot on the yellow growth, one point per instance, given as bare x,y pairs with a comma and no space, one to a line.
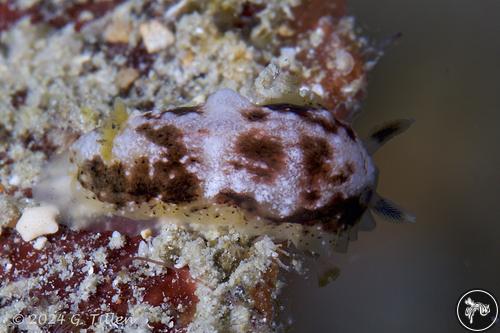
112,127
89,115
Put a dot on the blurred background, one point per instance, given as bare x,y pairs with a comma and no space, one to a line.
445,73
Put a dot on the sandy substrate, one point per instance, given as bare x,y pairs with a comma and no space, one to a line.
62,68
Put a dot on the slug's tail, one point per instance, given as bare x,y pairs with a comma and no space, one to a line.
386,132
378,205
390,211
382,207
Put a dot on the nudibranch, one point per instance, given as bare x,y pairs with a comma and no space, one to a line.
278,165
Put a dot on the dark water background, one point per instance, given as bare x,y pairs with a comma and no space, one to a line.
445,73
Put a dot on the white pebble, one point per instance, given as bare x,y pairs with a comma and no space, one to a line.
156,36
14,180
116,241
37,221
39,243
344,62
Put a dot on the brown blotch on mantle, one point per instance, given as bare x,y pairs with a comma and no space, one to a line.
171,180
184,110
344,175
110,184
317,151
338,212
174,183
260,149
309,114
255,114
167,136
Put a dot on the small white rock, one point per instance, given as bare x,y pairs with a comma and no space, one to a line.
125,77
344,62
118,31
14,180
318,89
39,243
116,241
8,266
37,221
156,36
143,250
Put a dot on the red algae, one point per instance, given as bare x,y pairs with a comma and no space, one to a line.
172,288
9,15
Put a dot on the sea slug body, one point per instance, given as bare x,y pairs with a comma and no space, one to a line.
285,163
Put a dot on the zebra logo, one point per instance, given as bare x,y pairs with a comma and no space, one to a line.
484,309
477,310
